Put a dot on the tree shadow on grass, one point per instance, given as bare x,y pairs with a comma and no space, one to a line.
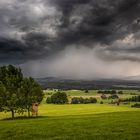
24,118
107,114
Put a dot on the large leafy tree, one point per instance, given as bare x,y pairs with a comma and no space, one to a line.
17,93
59,98
10,78
31,93
2,96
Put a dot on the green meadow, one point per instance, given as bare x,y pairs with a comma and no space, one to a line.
75,121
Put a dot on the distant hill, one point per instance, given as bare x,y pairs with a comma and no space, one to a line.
60,83
133,78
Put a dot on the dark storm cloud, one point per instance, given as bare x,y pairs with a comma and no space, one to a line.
101,21
14,51
34,29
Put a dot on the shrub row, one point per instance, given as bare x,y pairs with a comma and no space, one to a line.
81,100
109,92
133,99
113,96
136,105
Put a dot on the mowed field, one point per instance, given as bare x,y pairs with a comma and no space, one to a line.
75,122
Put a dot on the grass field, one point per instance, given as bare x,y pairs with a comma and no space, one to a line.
75,122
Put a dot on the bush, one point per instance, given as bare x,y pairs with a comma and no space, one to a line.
86,91
50,93
103,96
133,93
58,98
101,102
99,92
113,92
134,99
93,100
86,101
81,100
114,96
75,100
48,100
136,105
107,91
120,92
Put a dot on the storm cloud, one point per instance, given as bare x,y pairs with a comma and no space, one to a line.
75,38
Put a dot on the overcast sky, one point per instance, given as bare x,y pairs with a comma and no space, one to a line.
81,39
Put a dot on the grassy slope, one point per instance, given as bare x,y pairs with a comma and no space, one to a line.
75,122
79,109
111,126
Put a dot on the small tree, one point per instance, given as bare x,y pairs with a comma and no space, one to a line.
48,100
81,100
86,91
114,96
75,100
103,96
93,100
101,102
120,92
86,101
113,92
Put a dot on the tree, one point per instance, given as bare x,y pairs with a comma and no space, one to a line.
16,92
86,91
59,98
136,105
93,100
120,92
113,92
2,96
86,101
101,102
81,100
48,100
103,96
30,93
114,96
10,78
75,100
